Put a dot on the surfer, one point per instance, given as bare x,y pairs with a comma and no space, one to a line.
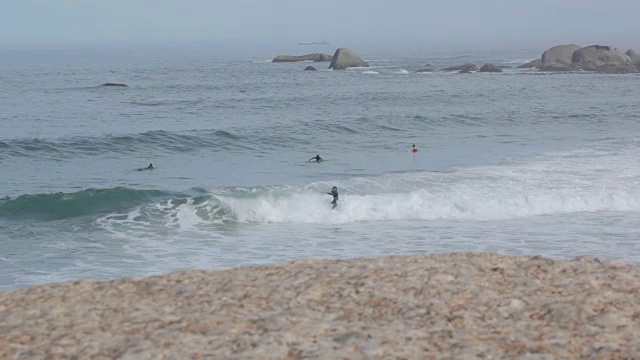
317,158
150,167
334,193
414,148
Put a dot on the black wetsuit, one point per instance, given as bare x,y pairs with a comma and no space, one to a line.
335,198
316,158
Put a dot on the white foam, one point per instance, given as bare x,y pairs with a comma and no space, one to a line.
370,72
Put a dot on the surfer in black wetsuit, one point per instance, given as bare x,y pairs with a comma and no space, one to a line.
150,167
334,193
317,158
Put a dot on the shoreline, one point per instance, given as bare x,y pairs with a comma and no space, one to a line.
458,305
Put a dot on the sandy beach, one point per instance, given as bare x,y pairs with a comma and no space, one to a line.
450,306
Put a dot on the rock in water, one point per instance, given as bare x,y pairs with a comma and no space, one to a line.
490,68
635,57
462,68
558,58
346,58
602,59
308,57
114,84
310,68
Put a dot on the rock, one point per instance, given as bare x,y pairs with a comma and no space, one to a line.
462,68
635,57
490,68
424,70
602,59
537,63
114,84
346,58
558,58
308,57
310,68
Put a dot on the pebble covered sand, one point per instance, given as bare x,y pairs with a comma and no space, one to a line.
450,306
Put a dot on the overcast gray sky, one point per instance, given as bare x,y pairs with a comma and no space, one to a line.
50,23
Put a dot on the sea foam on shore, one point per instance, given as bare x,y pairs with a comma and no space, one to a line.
460,305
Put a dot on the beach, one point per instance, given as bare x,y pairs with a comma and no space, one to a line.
447,306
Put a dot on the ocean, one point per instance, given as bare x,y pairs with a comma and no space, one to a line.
516,162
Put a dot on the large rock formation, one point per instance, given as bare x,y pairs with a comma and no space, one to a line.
490,68
310,68
346,58
537,63
309,57
635,57
558,58
603,59
462,68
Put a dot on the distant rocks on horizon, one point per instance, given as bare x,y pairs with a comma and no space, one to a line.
308,57
346,58
602,58
465,68
490,68
596,58
558,58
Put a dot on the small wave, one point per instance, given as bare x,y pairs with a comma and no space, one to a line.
69,205
149,103
370,72
158,140
517,61
226,135
166,102
402,71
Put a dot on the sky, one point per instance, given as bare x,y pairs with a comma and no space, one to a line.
420,23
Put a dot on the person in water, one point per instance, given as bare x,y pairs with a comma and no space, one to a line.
334,193
317,158
150,167
414,148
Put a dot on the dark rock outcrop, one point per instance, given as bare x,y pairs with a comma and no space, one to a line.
346,58
466,68
601,58
114,84
558,58
310,68
537,63
425,70
308,57
490,68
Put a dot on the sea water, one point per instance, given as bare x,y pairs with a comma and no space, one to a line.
516,162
